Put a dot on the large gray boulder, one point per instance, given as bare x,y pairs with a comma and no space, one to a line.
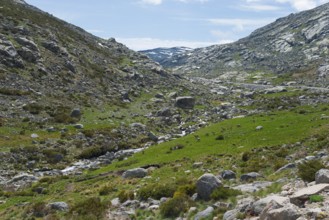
135,173
288,212
206,184
322,176
204,214
259,205
299,197
185,102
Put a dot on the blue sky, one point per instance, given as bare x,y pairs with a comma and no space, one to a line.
146,24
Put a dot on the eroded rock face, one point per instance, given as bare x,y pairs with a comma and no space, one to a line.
206,184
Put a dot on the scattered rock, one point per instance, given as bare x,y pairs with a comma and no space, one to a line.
259,205
228,174
250,176
76,113
135,173
204,214
258,128
206,184
299,197
322,176
185,102
59,206
78,126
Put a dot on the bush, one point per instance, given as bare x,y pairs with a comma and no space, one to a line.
188,189
92,152
156,191
33,108
39,209
91,208
316,198
125,195
105,190
307,170
220,137
222,193
175,206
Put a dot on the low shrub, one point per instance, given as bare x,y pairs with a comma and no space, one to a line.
307,170
220,137
172,208
188,189
316,198
106,190
156,191
91,208
92,152
33,108
222,193
125,195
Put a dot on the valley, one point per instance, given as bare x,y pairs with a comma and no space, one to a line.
90,129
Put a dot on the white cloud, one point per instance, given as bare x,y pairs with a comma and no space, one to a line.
270,5
159,2
152,2
150,43
259,7
188,1
240,24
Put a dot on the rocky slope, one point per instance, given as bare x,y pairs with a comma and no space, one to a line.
162,55
54,75
296,44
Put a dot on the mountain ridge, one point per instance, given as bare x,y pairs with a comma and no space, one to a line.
295,44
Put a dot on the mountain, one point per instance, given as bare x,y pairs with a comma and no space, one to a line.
56,78
161,55
92,130
296,45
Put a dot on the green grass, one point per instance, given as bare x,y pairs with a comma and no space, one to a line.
282,127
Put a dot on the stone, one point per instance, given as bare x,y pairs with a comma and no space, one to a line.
288,212
78,126
259,128
228,174
250,176
165,112
206,184
59,206
34,135
135,173
299,197
286,167
322,176
259,205
27,43
230,215
185,102
28,55
253,187
52,46
204,214
138,125
152,136
76,113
